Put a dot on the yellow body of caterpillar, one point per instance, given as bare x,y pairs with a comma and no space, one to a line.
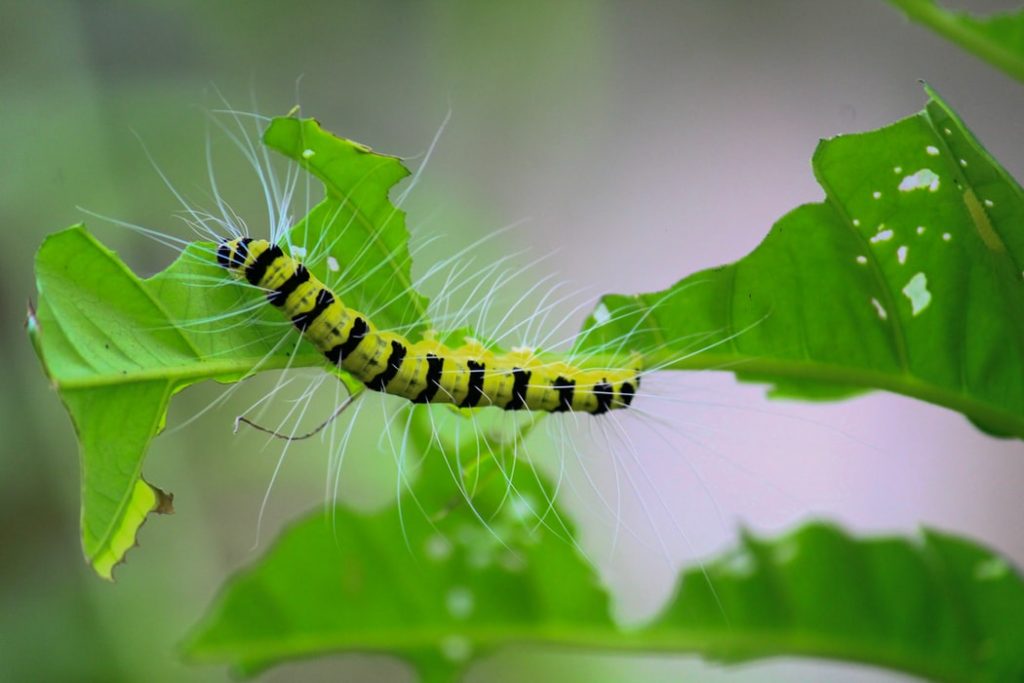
426,371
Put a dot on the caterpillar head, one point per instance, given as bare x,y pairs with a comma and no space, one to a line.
232,253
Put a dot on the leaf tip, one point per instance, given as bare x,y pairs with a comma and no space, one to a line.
30,318
929,90
35,336
32,325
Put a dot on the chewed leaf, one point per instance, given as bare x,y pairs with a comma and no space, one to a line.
997,38
356,238
908,278
100,370
143,500
937,607
117,347
116,354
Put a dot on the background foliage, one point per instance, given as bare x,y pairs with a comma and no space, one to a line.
86,74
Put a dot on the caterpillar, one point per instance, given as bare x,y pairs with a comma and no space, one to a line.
231,280
426,371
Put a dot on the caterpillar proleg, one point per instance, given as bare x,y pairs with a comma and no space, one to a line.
427,371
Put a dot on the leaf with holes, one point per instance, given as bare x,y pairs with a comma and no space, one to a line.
907,277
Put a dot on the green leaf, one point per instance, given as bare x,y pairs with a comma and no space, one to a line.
117,348
908,277
428,578
442,590
998,38
939,607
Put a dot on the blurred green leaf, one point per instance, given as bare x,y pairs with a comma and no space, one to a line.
908,277
456,559
941,606
998,38
938,607
117,348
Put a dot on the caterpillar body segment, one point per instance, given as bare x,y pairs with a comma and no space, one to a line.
426,371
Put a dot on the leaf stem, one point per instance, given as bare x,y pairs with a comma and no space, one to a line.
958,28
764,370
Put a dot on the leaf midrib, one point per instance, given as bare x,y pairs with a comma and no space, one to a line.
828,373
202,369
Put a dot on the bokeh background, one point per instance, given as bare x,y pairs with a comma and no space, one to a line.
635,142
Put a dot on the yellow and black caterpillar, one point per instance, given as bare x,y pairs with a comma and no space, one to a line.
426,371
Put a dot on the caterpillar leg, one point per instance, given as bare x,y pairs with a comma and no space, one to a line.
242,419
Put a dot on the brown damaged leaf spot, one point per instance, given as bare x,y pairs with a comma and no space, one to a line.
164,501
